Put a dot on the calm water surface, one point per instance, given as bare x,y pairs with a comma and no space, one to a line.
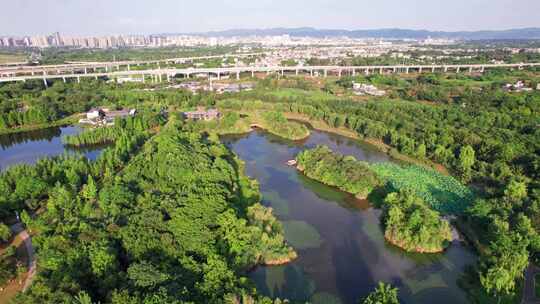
342,252
28,147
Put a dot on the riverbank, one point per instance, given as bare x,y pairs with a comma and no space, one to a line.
29,147
336,238
381,146
282,260
391,239
276,124
409,192
432,175
358,196
58,123
336,170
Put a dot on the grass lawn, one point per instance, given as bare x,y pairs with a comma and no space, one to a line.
8,58
464,82
291,93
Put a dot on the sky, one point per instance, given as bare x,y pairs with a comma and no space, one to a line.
103,17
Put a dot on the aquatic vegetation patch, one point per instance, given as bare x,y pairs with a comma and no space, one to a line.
301,235
284,282
321,190
325,298
275,280
278,204
442,193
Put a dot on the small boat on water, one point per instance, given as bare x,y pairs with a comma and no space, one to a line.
291,162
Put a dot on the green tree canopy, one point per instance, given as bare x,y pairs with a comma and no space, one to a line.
383,294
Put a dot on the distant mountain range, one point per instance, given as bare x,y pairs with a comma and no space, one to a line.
395,33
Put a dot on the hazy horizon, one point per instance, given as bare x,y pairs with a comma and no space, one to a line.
102,17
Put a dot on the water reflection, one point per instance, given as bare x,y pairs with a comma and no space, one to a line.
342,251
28,147
47,134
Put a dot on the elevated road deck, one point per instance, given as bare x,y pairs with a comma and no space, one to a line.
109,66
156,74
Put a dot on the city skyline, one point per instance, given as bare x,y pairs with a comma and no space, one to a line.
123,17
273,37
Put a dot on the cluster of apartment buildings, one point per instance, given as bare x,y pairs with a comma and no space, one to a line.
57,40
113,41
275,55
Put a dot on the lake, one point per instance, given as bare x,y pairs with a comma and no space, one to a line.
339,239
29,147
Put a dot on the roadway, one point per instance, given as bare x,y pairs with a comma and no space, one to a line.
157,73
72,66
18,230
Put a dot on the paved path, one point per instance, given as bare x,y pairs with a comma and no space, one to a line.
529,296
27,240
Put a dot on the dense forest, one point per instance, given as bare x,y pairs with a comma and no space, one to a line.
127,228
10,267
412,225
234,123
409,222
277,124
57,56
383,294
343,172
486,137
230,123
122,127
30,104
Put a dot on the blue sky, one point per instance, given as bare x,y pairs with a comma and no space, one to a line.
97,17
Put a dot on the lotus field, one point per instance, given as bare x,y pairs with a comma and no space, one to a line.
443,193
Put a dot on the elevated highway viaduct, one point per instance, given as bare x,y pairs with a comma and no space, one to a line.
111,66
158,74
